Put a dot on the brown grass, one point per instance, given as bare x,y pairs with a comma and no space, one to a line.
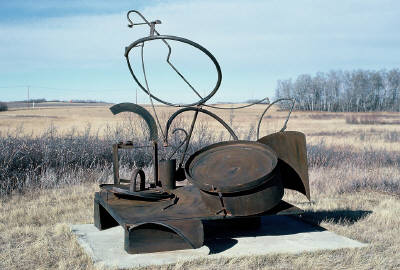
34,232
101,120
350,199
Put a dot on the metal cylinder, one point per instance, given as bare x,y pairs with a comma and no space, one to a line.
166,172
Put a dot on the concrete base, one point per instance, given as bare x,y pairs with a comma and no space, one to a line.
277,234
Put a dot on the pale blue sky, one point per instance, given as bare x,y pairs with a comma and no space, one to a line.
74,49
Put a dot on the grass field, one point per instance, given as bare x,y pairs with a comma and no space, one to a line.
354,179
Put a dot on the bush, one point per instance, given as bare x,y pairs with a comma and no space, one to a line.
3,107
52,159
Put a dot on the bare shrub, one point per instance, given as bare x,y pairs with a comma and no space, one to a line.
391,136
371,119
320,155
352,119
325,116
52,160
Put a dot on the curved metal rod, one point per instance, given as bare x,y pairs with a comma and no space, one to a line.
180,145
131,24
148,91
183,40
222,122
269,106
134,108
152,29
239,107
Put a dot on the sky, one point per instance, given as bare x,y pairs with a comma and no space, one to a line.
75,49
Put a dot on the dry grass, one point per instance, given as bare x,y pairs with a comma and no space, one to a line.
355,183
34,232
101,120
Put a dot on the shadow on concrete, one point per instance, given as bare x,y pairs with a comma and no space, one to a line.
340,216
220,234
218,245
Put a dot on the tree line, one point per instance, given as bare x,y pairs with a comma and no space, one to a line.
345,91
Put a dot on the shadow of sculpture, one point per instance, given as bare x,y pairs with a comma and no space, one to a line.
221,235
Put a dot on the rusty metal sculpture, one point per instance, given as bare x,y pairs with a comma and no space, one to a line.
231,181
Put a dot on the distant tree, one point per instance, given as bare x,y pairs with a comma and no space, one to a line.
356,91
3,107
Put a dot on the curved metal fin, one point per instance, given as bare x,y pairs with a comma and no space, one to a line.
164,236
148,118
290,146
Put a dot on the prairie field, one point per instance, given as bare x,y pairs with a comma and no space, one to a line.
52,159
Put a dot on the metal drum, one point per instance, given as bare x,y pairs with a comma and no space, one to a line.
237,178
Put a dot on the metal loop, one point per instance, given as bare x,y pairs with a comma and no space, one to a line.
132,186
131,23
183,40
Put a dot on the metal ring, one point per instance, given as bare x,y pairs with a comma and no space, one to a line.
183,40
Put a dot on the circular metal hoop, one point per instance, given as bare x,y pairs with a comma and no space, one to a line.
183,40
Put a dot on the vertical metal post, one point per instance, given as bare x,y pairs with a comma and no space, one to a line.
115,164
155,162
188,137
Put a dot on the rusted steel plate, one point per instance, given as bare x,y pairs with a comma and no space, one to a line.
290,146
232,166
246,203
164,236
189,206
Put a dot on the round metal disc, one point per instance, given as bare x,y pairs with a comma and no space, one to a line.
232,166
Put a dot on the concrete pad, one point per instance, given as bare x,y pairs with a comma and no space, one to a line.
277,234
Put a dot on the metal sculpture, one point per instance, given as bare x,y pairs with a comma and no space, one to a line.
237,181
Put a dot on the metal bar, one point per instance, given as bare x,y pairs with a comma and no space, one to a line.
155,162
115,164
222,122
188,137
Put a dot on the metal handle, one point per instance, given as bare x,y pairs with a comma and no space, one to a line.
135,173
180,145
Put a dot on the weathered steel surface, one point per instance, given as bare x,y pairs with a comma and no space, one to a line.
181,223
115,164
291,149
166,170
232,166
246,203
164,235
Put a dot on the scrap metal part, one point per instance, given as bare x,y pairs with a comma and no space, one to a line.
290,146
137,109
